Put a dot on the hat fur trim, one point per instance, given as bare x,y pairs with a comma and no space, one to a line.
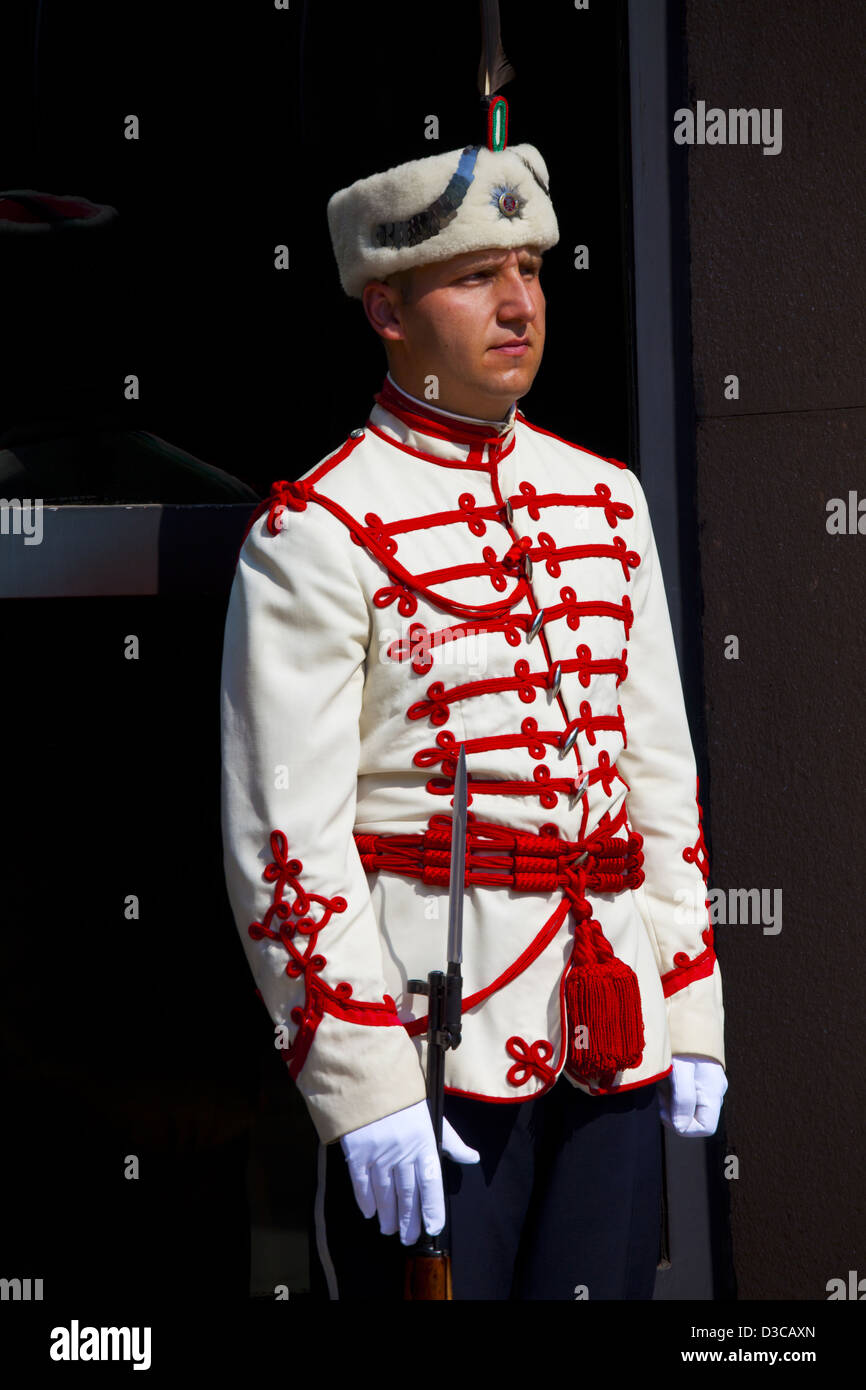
514,179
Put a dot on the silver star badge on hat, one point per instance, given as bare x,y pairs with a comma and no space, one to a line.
507,199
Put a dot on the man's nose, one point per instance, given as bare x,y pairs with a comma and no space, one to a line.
516,301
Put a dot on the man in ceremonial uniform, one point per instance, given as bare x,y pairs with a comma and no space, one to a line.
453,576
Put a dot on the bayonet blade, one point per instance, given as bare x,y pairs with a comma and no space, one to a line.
457,885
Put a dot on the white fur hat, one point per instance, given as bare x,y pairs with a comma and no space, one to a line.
434,208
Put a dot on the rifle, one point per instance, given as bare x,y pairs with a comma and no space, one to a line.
428,1263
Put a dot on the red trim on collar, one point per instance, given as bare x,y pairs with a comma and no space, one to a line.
393,399
472,460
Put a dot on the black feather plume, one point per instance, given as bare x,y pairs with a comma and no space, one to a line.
494,70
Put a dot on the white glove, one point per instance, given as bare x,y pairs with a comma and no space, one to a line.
691,1097
395,1170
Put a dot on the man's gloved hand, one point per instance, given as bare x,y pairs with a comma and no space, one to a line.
395,1170
691,1097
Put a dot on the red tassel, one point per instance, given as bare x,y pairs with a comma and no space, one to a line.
604,999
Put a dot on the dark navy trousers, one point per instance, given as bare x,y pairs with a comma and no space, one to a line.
566,1203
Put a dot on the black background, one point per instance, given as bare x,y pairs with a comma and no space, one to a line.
250,119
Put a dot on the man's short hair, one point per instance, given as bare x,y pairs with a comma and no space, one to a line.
403,280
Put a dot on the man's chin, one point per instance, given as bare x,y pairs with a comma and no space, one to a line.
512,379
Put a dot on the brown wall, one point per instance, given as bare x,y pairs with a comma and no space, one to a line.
777,286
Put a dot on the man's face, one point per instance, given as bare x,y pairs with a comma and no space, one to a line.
476,322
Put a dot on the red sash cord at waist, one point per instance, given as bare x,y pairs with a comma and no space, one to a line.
498,856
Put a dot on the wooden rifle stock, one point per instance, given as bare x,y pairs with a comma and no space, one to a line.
428,1277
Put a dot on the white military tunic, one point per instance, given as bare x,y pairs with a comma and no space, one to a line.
347,690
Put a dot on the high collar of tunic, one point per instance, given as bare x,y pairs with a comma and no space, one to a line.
439,435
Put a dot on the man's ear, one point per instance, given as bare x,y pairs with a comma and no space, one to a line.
383,305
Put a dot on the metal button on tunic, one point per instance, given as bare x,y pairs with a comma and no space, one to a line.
536,625
569,742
